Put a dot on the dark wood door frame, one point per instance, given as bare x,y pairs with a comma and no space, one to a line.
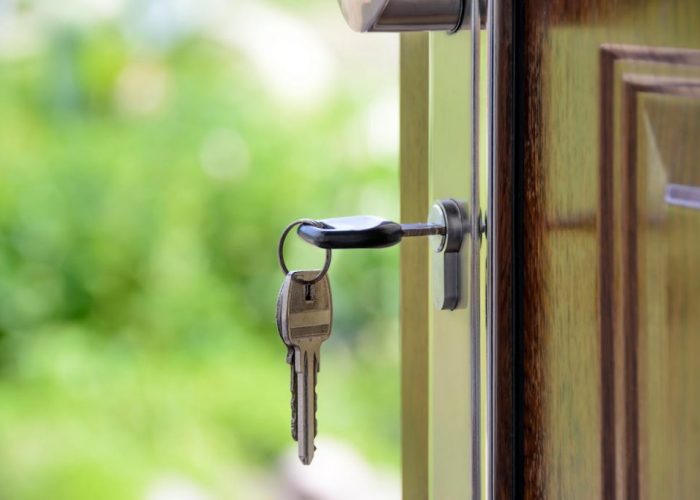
528,61
506,248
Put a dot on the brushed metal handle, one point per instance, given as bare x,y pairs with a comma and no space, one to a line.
409,15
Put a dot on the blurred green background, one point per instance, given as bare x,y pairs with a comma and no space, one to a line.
150,154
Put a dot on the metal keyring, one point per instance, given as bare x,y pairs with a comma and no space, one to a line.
280,252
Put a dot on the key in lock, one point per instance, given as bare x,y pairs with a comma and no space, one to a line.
304,306
447,226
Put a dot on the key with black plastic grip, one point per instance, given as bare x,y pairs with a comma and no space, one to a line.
363,231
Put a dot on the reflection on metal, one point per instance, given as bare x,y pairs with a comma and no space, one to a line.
478,21
409,15
683,196
447,272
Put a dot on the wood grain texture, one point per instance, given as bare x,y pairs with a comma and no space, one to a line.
415,283
646,251
620,66
572,289
501,300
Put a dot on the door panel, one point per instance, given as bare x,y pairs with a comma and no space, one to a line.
594,238
609,249
666,240
652,114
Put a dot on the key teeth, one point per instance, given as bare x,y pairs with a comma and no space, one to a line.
317,363
295,434
293,398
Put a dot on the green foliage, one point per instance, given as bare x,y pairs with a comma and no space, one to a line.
138,272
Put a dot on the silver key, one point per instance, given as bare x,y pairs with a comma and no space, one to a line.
305,314
289,358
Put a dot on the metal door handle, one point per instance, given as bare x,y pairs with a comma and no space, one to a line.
409,15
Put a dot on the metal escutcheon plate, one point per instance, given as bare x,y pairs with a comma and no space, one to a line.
448,291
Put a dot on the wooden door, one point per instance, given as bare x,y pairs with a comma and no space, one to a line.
596,270
582,373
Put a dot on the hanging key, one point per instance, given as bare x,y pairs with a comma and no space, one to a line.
304,306
305,313
284,303
284,290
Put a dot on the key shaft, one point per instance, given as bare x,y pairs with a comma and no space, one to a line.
307,379
422,229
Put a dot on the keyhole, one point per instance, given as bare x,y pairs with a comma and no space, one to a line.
307,292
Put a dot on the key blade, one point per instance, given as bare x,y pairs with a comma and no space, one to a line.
307,378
